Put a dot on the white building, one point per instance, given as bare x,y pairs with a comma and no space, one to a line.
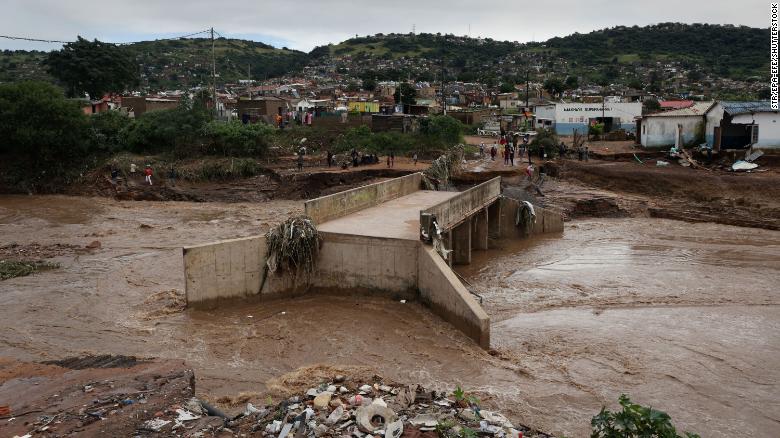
679,127
739,125
566,117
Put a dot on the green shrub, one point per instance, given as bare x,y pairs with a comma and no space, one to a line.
546,139
634,421
167,130
43,134
106,130
237,139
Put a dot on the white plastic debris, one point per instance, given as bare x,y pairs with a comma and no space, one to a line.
155,424
379,401
394,429
366,388
250,409
335,416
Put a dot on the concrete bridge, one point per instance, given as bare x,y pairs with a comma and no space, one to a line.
391,237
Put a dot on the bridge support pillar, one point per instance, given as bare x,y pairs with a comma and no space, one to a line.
461,243
494,220
480,238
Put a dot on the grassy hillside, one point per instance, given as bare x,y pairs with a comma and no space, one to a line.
735,51
177,63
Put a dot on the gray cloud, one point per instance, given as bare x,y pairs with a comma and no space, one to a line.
303,24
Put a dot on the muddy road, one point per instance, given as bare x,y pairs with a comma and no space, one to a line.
680,316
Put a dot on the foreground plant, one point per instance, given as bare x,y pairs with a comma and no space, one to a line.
13,268
634,421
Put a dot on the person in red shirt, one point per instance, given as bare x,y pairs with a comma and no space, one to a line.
148,173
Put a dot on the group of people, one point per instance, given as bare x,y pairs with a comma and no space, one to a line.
512,147
298,117
147,172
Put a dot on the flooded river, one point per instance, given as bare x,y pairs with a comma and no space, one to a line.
683,317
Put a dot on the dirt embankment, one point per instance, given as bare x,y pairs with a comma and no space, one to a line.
742,199
275,180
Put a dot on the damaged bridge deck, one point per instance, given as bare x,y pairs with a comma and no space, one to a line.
395,219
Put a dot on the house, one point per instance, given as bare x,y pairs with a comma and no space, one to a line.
565,118
684,126
363,107
739,125
138,105
260,107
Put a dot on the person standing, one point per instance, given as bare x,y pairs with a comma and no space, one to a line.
586,153
511,155
148,174
329,158
493,152
414,157
133,169
300,161
392,159
482,150
172,175
114,174
529,171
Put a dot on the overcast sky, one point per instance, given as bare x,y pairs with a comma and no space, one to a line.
303,24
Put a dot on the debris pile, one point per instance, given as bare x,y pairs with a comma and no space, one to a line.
437,177
293,245
343,408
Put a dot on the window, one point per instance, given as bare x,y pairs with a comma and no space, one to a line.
754,134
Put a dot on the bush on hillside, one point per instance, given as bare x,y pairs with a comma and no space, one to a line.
236,139
43,135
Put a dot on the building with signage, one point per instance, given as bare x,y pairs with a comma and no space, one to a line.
565,118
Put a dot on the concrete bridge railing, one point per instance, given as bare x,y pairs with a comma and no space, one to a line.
327,208
455,210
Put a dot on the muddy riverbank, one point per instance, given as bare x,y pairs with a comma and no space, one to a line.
679,316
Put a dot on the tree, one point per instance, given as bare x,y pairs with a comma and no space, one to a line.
635,84
554,86
571,82
93,67
369,84
44,134
506,87
405,94
650,106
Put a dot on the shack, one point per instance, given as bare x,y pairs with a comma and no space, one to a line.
678,127
740,125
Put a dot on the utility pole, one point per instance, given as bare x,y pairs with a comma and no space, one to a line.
213,72
443,98
526,90
249,79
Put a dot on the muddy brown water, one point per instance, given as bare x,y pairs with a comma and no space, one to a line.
683,317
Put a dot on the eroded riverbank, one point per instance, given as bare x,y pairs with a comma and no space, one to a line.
680,316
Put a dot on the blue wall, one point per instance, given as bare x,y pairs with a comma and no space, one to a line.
568,128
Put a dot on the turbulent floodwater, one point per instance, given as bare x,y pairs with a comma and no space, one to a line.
683,317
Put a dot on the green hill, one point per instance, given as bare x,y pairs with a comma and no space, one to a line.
177,63
728,50
614,54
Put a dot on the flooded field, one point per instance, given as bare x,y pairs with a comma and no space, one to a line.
683,317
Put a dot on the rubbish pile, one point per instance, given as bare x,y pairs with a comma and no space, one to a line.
437,177
343,408
293,245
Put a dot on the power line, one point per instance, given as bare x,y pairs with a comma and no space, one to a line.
11,37
33,39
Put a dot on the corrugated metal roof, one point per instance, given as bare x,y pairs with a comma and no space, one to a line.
759,106
676,104
697,109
